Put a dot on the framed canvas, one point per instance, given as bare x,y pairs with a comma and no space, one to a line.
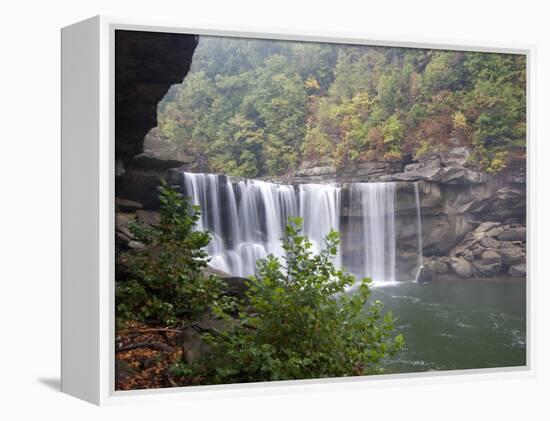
245,210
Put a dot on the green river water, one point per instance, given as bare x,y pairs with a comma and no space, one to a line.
457,324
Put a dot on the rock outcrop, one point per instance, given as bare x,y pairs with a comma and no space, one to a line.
473,223
147,65
483,253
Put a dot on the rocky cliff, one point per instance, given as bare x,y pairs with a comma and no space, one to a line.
473,223
147,64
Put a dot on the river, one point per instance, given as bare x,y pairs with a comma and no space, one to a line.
457,324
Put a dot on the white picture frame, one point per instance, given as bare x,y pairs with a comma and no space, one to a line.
88,172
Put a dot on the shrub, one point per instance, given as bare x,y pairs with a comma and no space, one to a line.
498,163
459,121
166,282
300,322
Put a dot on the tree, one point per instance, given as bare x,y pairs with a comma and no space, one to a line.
297,101
300,321
166,282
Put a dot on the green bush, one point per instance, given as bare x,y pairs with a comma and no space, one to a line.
300,322
166,282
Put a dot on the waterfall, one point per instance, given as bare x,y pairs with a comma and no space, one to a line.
320,211
246,220
419,232
377,230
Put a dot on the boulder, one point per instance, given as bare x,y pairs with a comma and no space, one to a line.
125,205
121,225
194,347
486,226
148,217
489,242
236,286
511,255
462,267
490,263
519,270
440,267
439,236
495,232
477,252
427,271
514,234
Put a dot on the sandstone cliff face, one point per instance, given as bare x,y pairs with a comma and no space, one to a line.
147,64
456,202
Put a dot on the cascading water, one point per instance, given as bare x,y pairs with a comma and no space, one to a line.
246,220
418,232
320,211
377,233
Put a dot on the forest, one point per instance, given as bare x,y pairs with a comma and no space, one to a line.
256,108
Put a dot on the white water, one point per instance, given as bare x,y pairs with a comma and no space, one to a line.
247,219
377,229
320,210
419,231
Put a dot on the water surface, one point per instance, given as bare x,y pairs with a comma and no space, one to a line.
458,324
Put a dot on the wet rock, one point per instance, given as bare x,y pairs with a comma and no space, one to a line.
490,263
441,267
519,270
427,271
462,267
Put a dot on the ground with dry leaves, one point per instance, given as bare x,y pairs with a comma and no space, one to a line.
144,355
